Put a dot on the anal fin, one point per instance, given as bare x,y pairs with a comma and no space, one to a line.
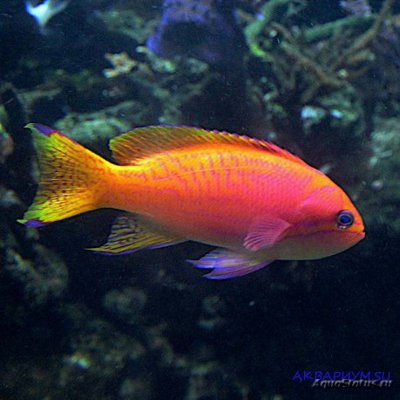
228,264
130,233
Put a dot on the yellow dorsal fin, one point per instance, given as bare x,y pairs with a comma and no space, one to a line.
137,144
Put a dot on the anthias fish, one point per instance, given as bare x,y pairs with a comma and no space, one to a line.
253,200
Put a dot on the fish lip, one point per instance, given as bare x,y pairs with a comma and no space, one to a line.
360,235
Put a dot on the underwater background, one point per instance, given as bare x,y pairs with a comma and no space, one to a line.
318,77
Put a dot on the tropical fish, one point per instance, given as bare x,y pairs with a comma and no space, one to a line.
204,29
255,201
44,11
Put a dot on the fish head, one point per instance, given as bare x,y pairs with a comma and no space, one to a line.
329,223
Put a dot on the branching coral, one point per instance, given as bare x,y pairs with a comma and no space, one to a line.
121,62
300,60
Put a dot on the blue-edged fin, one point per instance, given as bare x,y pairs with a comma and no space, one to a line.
132,147
131,233
227,264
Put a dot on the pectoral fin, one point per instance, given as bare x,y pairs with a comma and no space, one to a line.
264,232
131,233
228,264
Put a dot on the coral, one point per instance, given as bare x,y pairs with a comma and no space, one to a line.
121,63
126,305
211,318
254,31
380,83
356,7
6,144
41,280
126,21
206,379
37,274
135,388
308,70
381,194
98,127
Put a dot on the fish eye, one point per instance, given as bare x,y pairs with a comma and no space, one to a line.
344,219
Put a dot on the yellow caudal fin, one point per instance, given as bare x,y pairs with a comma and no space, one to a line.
70,178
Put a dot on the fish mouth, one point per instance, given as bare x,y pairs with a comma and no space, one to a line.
356,235
360,235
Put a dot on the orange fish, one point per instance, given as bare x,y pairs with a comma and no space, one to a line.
256,202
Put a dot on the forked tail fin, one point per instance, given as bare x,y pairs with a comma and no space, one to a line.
70,178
